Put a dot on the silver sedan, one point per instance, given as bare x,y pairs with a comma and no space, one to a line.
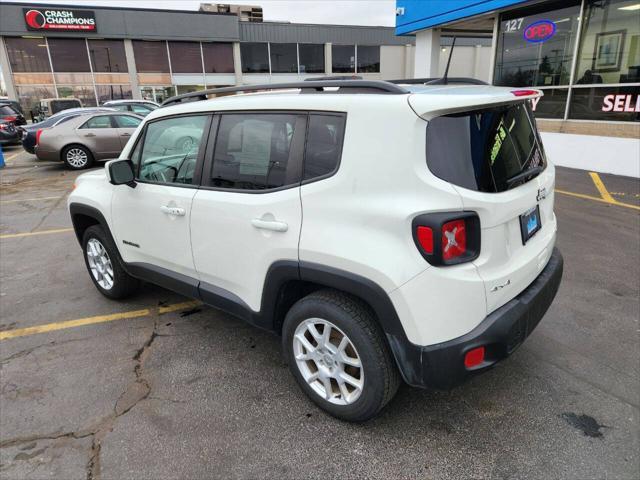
81,141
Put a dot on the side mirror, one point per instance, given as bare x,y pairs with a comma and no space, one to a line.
121,173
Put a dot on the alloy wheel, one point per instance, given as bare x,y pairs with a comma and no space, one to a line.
100,264
78,158
328,361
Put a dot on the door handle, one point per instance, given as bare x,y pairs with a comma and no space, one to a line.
270,225
176,211
126,135
89,134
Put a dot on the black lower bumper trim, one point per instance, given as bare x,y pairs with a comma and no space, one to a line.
441,366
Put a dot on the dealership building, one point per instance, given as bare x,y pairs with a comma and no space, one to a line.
583,54
97,53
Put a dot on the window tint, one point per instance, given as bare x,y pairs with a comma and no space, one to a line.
481,150
103,121
185,57
311,58
324,145
254,57
69,55
127,121
7,110
254,151
28,54
343,58
218,57
151,57
107,56
171,149
284,58
368,58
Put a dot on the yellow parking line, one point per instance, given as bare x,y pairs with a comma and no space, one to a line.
81,322
41,232
11,157
35,199
604,193
598,199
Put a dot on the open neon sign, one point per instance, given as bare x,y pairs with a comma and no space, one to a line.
539,31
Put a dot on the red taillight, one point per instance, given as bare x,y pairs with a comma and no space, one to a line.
524,93
454,239
425,238
474,357
9,118
38,133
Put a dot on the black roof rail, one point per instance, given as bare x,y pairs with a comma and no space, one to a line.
335,77
343,86
436,81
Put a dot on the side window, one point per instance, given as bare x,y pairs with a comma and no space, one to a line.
122,108
324,145
141,109
127,121
170,150
102,121
258,151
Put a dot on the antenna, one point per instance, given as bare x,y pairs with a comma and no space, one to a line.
444,80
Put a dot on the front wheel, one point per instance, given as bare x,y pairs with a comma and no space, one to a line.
338,355
103,263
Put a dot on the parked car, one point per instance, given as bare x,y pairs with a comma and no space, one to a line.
8,133
10,114
87,138
12,103
50,106
28,132
141,107
385,231
143,102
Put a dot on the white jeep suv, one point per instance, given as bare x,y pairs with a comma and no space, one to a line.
384,230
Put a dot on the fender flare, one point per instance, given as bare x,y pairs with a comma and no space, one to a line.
76,209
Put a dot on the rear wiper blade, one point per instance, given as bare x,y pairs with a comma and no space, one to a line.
530,173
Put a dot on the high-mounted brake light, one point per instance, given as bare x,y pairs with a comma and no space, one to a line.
38,133
524,93
447,238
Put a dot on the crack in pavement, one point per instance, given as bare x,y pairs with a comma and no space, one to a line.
135,392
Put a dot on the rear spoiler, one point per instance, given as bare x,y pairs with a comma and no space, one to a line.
428,106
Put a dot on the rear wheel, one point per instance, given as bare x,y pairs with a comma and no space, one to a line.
103,263
77,157
338,354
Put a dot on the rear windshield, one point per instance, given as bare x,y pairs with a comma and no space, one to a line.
484,149
7,110
59,105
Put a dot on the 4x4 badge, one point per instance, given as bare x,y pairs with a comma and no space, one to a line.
542,194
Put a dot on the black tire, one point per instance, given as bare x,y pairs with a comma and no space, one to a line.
357,321
123,284
74,165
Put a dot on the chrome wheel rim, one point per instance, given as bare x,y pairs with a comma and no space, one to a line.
328,361
77,157
100,264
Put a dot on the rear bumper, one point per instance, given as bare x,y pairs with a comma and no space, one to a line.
441,366
45,155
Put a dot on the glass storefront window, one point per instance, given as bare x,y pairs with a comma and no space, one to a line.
284,58
343,58
113,92
254,57
30,96
85,93
107,56
552,104
69,55
311,58
151,57
610,44
189,88
368,58
536,45
185,57
605,103
157,94
218,57
27,54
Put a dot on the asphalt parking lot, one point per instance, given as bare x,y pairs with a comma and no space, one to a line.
160,387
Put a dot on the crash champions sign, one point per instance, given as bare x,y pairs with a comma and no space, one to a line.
59,19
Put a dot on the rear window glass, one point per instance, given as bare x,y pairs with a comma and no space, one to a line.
483,149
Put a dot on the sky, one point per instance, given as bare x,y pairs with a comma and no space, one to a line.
341,12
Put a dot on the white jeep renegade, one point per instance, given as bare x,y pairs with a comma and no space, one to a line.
384,230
